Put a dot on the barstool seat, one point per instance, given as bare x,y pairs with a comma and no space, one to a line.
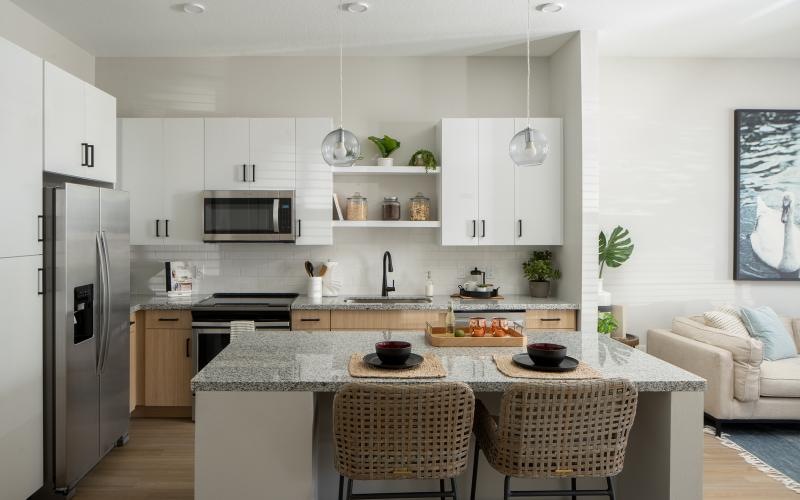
558,429
414,431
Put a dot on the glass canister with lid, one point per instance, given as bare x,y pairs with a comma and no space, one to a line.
356,207
419,208
391,208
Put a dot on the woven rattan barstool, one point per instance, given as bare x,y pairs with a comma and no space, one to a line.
557,429
412,431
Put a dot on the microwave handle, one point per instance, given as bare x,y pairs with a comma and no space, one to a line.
275,207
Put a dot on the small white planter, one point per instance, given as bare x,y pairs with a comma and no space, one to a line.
385,162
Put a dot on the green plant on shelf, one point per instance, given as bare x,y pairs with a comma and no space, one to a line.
606,323
423,158
385,145
539,267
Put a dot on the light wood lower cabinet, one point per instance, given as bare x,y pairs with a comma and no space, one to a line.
552,319
311,320
168,367
384,320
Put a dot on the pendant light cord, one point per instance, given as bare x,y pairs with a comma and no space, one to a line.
341,72
528,58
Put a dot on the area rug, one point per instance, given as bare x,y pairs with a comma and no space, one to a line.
771,448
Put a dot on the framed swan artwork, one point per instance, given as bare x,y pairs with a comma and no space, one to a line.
767,195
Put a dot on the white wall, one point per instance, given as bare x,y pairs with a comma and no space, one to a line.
666,173
403,97
31,34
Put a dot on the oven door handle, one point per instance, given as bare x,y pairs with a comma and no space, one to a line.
276,202
208,327
211,331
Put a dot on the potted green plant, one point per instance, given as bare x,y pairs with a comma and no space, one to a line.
540,272
423,158
613,252
386,146
607,323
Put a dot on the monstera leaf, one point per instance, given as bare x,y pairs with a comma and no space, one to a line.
385,145
615,250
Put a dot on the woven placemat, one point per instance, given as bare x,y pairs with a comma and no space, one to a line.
431,367
510,369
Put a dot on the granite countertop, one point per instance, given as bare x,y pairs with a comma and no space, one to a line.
438,303
142,302
317,361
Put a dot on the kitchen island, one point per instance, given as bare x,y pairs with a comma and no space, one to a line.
263,414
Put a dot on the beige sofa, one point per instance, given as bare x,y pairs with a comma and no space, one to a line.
741,384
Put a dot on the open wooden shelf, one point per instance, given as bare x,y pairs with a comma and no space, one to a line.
376,170
387,223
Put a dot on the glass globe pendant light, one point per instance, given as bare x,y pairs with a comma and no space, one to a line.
529,146
340,148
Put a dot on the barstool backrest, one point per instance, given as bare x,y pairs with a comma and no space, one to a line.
238,327
576,428
402,431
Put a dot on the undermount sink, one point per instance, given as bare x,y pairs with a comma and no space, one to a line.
388,300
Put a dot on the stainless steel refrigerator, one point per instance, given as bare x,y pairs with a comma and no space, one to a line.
86,334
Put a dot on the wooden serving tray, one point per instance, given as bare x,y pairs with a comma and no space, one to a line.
436,336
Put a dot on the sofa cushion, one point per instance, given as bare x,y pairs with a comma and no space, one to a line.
781,378
746,352
726,321
766,326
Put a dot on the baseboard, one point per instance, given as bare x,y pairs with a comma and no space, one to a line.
162,412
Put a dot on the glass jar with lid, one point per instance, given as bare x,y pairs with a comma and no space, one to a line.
419,208
356,207
391,208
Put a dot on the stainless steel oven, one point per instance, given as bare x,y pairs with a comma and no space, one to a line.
248,216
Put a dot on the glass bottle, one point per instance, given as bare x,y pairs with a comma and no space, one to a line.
429,286
450,320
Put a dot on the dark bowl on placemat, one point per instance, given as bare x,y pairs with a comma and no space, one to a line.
545,354
393,352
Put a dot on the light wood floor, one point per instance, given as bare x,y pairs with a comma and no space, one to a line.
157,463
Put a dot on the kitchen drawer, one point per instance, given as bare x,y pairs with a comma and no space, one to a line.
168,319
551,319
311,320
384,320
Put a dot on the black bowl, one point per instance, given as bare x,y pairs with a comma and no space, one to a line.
393,352
547,354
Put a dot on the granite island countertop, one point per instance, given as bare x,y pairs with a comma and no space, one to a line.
317,362
438,303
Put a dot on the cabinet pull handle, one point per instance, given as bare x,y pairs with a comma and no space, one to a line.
158,225
474,233
310,319
90,161
166,228
483,228
168,319
40,279
299,227
253,179
520,228
549,319
40,228
188,347
84,155
244,172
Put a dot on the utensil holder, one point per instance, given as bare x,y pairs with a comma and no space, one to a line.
315,287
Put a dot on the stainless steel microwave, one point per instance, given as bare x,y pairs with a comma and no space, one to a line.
248,216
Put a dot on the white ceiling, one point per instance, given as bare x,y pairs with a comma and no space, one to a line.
690,28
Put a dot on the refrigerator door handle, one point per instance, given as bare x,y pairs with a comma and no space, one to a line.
106,325
102,308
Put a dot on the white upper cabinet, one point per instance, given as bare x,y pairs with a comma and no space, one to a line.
161,166
272,153
487,200
539,191
79,127
314,184
495,182
458,197
227,158
21,146
249,153
183,180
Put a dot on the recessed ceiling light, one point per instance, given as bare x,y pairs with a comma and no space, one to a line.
355,7
194,8
550,7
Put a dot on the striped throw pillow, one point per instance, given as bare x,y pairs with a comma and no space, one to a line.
726,321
